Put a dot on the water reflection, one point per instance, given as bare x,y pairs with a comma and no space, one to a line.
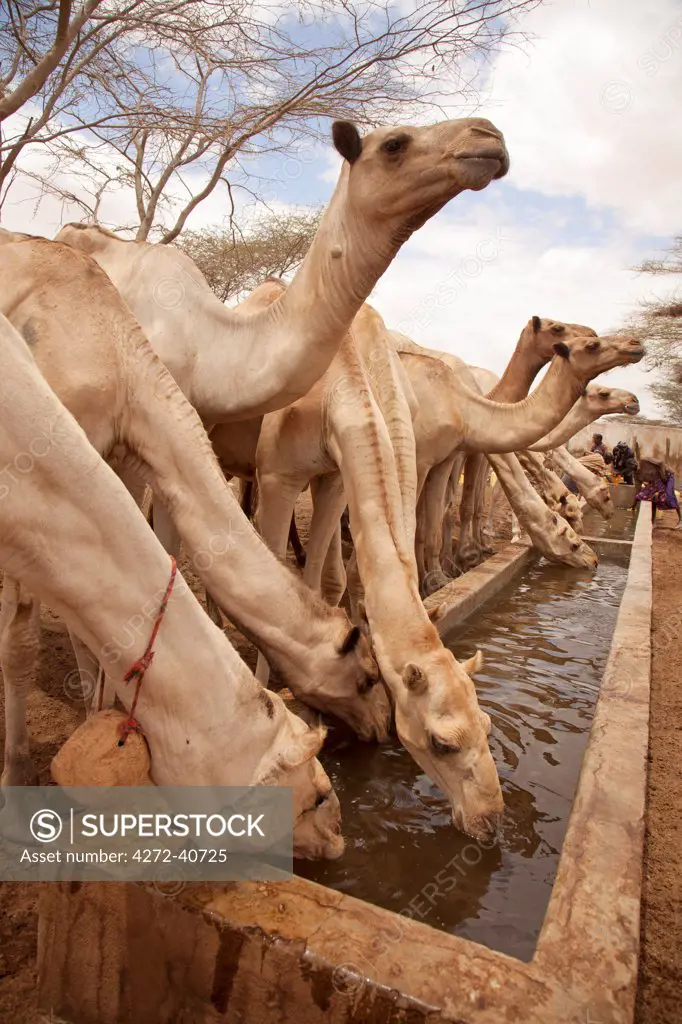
545,642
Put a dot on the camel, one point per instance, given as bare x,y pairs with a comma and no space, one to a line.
534,348
205,718
338,438
93,353
544,335
234,367
593,488
551,489
598,400
453,416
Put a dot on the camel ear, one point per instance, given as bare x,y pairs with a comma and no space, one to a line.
537,323
415,679
347,140
350,641
474,664
435,613
561,349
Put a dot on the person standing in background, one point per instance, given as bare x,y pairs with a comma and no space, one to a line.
598,445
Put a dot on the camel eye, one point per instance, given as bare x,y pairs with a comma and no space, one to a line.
575,545
395,144
365,684
558,329
592,346
440,748
321,797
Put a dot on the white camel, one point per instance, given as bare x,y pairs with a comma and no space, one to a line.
71,534
233,367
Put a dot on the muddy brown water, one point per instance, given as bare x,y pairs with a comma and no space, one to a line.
545,639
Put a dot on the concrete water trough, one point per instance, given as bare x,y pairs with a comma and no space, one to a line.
296,951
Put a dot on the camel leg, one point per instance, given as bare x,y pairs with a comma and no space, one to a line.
277,500
295,542
328,503
334,571
433,499
479,533
450,508
497,495
468,553
19,647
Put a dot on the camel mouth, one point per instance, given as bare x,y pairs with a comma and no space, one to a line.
491,153
488,155
632,410
635,354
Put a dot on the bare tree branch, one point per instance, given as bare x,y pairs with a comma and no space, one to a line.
659,323
177,91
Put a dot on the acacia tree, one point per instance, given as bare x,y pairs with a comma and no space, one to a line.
660,324
167,97
233,262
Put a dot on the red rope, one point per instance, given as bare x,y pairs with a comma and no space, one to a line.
142,664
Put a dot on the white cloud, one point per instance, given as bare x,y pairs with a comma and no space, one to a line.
593,107
469,283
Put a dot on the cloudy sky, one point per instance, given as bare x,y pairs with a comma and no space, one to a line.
590,109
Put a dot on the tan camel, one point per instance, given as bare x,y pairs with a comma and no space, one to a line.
551,489
452,416
544,335
95,356
64,513
338,439
598,400
233,368
533,350
594,489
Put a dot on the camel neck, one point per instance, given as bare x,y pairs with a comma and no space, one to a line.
398,621
518,377
577,418
273,357
502,427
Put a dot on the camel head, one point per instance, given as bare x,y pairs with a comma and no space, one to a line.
566,547
441,725
540,335
292,761
590,355
568,506
599,497
399,177
601,400
351,687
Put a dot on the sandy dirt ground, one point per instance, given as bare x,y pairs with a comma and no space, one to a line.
659,997
53,714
